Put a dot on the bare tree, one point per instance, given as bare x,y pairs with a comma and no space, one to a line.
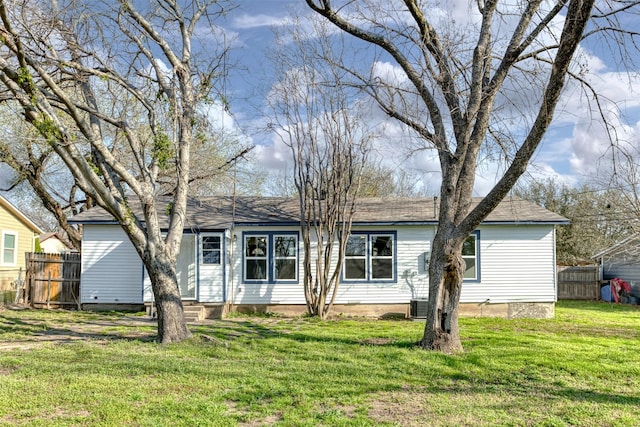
458,86
597,218
114,90
36,165
313,115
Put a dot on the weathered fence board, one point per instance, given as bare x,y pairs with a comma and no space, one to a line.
579,282
53,280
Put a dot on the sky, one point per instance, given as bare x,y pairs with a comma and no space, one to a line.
574,150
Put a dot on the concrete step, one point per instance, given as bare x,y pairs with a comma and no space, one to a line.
193,313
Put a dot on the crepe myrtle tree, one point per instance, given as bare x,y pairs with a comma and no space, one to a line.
114,89
318,118
457,86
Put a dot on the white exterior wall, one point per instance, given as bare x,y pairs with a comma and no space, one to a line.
412,279
263,293
411,244
111,268
517,264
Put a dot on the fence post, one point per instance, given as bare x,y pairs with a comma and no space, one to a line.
49,290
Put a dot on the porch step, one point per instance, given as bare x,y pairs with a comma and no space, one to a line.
193,313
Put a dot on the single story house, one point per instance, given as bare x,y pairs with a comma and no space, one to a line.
18,236
245,253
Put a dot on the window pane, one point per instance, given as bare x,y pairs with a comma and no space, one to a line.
285,246
9,249
356,245
285,269
9,241
211,249
354,268
256,247
8,256
381,268
211,257
381,246
210,242
469,246
256,269
470,269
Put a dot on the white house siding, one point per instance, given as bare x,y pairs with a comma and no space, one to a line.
263,293
412,242
411,281
517,264
111,268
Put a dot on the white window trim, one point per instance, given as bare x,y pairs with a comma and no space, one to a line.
201,249
15,248
476,259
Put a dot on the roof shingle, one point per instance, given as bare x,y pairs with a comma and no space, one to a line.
220,212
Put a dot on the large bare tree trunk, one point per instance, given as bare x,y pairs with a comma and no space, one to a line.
454,102
445,283
172,326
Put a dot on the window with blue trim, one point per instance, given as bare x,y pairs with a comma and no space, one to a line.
370,257
271,257
471,257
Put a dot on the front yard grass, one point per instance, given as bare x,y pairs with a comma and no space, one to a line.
60,368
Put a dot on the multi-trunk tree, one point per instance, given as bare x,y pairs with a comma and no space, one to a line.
313,114
488,82
114,89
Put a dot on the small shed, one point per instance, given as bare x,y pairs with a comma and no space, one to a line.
621,260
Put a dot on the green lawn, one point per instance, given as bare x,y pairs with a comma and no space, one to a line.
76,368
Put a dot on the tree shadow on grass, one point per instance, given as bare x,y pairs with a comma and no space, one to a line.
20,331
230,330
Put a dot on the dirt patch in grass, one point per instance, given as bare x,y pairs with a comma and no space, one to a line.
405,408
261,422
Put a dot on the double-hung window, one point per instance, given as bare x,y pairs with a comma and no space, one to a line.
471,257
370,257
285,257
255,257
210,249
270,257
9,247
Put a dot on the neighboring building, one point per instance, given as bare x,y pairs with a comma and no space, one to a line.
621,260
55,243
246,254
18,236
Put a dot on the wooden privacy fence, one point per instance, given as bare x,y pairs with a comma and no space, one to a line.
53,280
579,282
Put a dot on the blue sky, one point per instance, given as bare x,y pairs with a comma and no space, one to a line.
571,152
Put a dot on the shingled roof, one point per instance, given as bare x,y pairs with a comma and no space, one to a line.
217,212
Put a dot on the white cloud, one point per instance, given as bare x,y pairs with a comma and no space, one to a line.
275,156
246,21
